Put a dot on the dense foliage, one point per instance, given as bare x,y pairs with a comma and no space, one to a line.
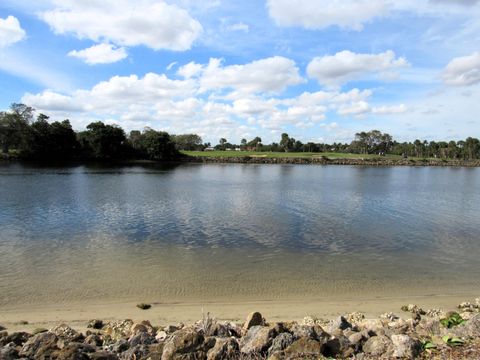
41,139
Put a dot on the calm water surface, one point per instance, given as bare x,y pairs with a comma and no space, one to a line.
226,232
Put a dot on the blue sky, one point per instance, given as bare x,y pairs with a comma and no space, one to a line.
318,70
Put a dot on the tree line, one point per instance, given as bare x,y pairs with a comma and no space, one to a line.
39,138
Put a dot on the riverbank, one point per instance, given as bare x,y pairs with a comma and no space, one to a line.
408,332
324,160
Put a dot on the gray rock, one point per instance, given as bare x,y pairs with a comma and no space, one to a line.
120,346
378,345
182,342
253,319
102,355
65,332
18,338
94,340
40,346
136,352
257,340
405,347
281,342
339,323
471,329
74,351
9,352
303,348
225,348
142,338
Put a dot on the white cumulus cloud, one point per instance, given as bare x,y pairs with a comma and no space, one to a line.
334,70
154,24
100,54
463,71
272,74
10,31
314,14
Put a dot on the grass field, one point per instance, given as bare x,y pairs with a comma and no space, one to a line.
330,155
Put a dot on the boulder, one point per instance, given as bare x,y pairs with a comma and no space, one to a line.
74,351
103,355
94,340
136,352
257,340
378,346
142,338
405,347
225,348
66,333
9,352
471,329
304,347
40,346
281,342
338,346
18,338
339,323
182,342
253,319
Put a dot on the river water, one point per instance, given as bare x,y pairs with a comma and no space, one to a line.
229,232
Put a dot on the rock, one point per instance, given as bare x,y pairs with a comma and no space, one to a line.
390,316
2,328
94,340
224,349
103,355
414,309
378,345
304,347
38,331
40,346
3,333
117,330
471,329
355,317
74,351
372,325
338,346
357,339
257,340
161,336
339,323
405,347
281,342
435,313
95,324
18,338
182,342
65,332
155,351
142,338
226,329
136,352
172,328
9,352
120,346
253,319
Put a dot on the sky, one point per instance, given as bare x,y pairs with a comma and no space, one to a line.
319,70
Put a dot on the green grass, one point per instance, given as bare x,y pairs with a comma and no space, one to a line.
330,155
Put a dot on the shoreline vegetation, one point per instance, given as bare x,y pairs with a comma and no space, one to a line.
23,137
411,333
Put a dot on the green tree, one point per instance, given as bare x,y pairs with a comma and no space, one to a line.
103,142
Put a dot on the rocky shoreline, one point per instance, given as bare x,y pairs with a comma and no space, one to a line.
418,334
322,160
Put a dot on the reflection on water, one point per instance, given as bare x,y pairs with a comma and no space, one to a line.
235,231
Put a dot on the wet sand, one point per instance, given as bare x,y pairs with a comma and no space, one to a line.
78,314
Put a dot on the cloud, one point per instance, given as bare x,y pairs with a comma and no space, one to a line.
334,70
350,14
154,24
100,54
388,110
463,71
457,2
272,74
10,31
239,27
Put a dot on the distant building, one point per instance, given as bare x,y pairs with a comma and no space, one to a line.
209,149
